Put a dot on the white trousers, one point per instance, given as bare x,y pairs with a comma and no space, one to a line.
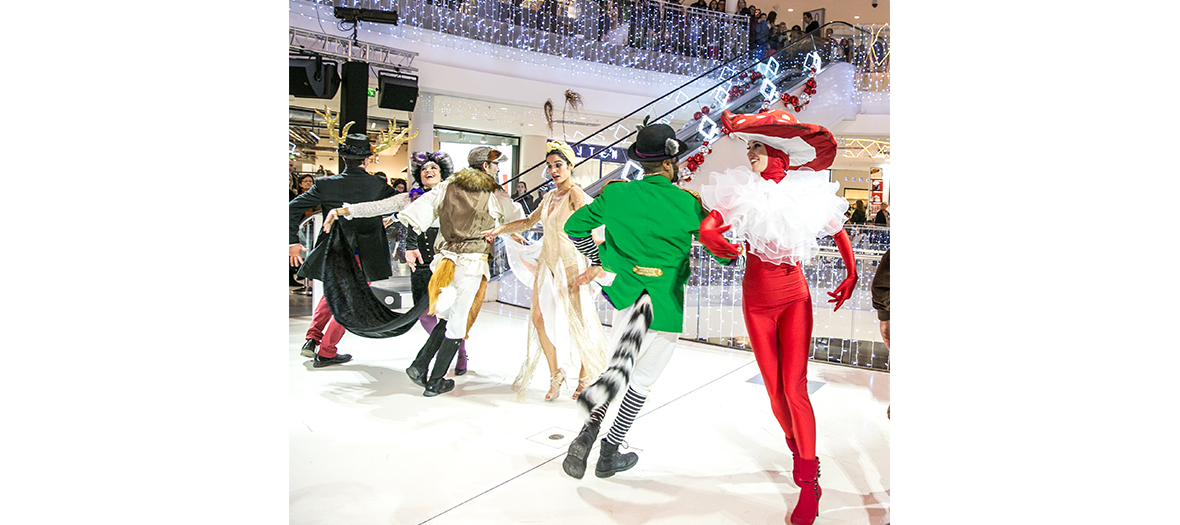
463,288
654,352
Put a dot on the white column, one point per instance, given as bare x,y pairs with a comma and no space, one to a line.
532,151
423,121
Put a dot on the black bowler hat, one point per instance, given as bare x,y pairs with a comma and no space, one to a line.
355,146
655,143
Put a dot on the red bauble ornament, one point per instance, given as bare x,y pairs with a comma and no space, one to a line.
798,108
705,143
697,116
705,110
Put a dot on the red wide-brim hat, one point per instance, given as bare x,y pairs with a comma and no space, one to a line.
808,146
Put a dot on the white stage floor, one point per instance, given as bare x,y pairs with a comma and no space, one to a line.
367,448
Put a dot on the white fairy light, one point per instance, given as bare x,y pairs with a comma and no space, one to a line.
620,129
631,166
769,90
708,129
721,94
768,68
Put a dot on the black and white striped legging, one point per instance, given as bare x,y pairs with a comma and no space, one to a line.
632,403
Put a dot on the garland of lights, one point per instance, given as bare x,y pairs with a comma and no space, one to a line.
798,103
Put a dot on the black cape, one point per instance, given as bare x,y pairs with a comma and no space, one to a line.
352,303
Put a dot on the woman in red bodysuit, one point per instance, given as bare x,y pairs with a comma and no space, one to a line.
778,207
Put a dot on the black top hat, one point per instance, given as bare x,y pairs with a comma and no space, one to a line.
655,143
355,146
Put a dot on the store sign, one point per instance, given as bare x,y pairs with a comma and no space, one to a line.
585,151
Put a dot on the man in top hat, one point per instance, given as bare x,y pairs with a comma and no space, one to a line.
354,184
643,265
465,205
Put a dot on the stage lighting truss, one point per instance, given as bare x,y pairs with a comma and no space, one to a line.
309,42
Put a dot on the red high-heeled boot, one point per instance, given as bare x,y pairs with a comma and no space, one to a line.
806,475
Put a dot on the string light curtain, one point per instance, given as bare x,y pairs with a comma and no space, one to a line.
640,34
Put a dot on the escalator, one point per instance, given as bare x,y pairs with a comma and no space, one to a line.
712,306
739,86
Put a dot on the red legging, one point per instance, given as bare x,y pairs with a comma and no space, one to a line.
777,309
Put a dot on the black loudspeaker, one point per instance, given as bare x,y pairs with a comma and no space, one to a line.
400,92
313,78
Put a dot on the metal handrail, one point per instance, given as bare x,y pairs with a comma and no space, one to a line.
689,130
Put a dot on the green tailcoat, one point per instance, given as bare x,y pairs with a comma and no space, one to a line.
650,223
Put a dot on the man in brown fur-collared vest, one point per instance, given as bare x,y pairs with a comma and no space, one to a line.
467,204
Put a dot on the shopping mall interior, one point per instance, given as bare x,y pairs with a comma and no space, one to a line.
462,75
155,375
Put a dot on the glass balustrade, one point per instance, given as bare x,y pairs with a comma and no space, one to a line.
713,300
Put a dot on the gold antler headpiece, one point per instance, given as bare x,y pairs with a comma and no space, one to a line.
388,139
327,116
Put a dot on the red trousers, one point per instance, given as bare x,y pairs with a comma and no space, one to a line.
324,329
777,310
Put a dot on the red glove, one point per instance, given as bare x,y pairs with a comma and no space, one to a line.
844,291
710,235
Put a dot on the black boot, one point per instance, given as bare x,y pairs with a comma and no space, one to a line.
417,369
440,386
610,461
575,459
446,353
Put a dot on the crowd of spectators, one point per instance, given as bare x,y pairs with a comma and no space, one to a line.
703,29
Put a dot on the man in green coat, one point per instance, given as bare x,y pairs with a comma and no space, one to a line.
643,265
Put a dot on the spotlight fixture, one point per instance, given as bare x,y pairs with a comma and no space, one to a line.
353,15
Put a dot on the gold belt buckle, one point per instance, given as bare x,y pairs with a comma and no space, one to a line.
647,272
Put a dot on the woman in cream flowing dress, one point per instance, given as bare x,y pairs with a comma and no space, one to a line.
562,316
